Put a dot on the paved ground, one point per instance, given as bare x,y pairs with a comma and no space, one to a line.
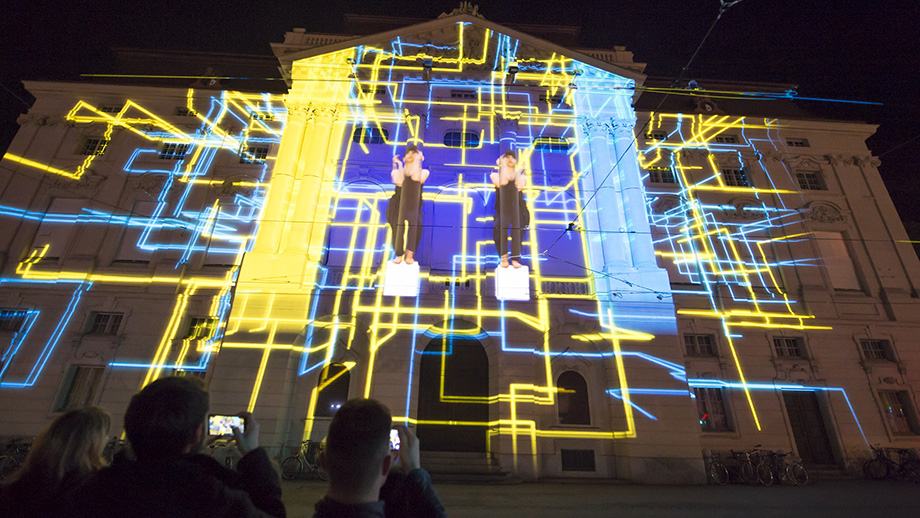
833,498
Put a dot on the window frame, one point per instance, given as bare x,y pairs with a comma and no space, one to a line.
93,146
577,400
18,316
101,323
876,349
725,138
552,144
87,386
661,175
694,349
782,352
258,153
797,142
173,150
735,177
810,181
370,135
905,424
468,139
705,405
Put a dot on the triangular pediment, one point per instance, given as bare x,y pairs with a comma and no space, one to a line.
470,42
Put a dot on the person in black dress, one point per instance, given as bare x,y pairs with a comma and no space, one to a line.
511,215
409,179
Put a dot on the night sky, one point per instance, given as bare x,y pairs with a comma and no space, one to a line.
866,50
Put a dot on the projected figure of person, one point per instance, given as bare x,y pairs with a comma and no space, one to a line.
409,178
511,213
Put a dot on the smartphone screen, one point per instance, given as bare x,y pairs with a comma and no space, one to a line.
222,424
394,439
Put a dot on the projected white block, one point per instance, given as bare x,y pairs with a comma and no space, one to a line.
401,280
512,283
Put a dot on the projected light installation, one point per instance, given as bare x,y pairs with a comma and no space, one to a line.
306,239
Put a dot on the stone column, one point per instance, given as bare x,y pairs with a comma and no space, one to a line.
312,167
274,213
607,203
633,195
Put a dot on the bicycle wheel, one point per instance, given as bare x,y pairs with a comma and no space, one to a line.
8,466
765,474
321,473
875,469
291,467
747,472
718,473
797,474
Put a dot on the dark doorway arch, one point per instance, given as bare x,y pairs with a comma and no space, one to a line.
465,368
572,399
332,389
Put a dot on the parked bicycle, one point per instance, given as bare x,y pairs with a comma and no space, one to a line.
757,466
788,468
737,467
306,461
13,456
884,465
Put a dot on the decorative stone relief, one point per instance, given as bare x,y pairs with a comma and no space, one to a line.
825,212
242,185
745,208
804,163
468,8
150,183
594,127
622,127
507,123
794,372
665,204
88,181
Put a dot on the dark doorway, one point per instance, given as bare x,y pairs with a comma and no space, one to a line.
808,428
465,368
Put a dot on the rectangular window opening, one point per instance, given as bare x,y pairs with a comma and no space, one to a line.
104,323
661,175
578,460
254,155
735,177
80,387
12,320
463,94
797,142
173,151
810,181
711,407
788,347
699,345
93,146
898,412
877,349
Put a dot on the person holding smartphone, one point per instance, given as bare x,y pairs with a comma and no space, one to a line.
167,428
374,472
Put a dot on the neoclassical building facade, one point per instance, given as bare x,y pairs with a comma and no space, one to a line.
699,272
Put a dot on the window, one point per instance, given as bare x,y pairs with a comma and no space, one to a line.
12,320
105,323
656,135
463,94
461,139
661,175
262,116
735,177
572,399
373,89
552,144
253,155
898,411
877,350
711,407
200,328
810,181
797,142
173,151
93,146
837,261
111,108
370,135
788,347
699,345
182,111
552,99
56,227
80,387
725,139
332,390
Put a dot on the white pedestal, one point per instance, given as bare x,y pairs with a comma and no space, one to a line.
512,283
401,280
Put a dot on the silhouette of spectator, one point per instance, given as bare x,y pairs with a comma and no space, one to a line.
166,428
61,457
366,478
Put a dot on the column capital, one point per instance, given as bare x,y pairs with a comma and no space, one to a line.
507,123
622,127
595,127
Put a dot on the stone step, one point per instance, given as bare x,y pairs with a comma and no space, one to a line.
459,463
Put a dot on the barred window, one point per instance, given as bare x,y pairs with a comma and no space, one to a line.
656,135
699,345
111,108
103,323
12,320
463,94
797,142
810,181
182,111
552,144
735,177
93,146
173,151
370,135
373,89
788,347
661,175
877,350
711,407
253,155
725,139
262,116
200,328
461,139
898,411
552,99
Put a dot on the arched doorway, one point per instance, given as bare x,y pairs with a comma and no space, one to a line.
462,366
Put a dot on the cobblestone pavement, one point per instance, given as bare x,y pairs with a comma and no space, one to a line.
832,498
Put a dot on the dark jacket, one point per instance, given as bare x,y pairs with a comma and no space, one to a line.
36,495
192,485
402,496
